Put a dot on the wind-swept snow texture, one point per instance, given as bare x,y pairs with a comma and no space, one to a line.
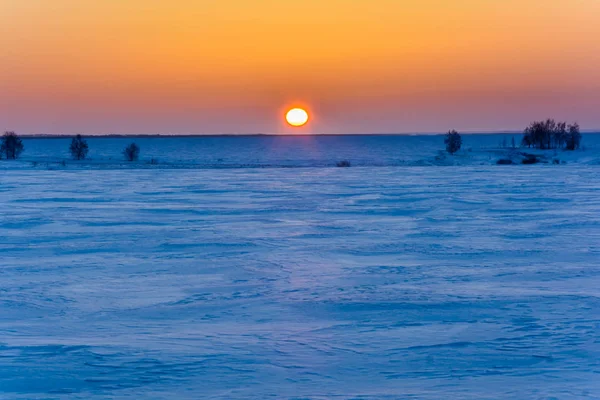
470,282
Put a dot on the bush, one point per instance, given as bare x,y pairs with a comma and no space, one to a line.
343,164
453,142
132,152
11,146
79,148
550,134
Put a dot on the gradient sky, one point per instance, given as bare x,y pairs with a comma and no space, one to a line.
233,66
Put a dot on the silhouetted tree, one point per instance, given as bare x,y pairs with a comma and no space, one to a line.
550,134
132,152
453,142
11,146
559,135
539,134
527,139
79,148
573,137
513,144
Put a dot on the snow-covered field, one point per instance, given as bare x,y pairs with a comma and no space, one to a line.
289,152
433,282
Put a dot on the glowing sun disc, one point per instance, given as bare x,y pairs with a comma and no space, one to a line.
296,117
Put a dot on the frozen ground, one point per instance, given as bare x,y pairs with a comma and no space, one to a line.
471,282
289,152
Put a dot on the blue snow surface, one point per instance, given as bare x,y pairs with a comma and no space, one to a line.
408,275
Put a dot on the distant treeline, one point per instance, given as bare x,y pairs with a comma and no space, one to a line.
12,146
550,134
541,135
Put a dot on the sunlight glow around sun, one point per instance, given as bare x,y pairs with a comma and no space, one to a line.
296,117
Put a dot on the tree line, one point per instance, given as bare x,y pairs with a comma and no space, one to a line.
543,135
550,134
11,147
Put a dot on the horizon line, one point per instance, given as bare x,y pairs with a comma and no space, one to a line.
175,135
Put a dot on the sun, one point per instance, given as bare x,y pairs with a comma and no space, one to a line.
297,117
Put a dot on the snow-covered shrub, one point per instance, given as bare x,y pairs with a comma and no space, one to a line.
453,142
132,152
11,146
79,148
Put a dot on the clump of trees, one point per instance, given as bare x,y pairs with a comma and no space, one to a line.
11,146
453,142
79,148
132,152
573,140
550,134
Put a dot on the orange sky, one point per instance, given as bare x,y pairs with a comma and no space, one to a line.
231,66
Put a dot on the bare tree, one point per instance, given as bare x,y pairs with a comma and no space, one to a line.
453,142
132,152
79,148
559,135
573,137
11,146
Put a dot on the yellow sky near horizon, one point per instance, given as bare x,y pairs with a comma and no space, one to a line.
225,66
